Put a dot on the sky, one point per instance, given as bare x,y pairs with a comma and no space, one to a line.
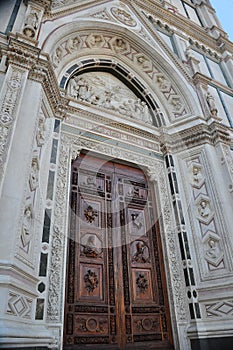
224,11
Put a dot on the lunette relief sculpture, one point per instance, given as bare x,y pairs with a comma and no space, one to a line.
108,92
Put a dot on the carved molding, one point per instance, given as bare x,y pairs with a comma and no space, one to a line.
110,44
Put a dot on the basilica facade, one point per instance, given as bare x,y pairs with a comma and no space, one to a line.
115,175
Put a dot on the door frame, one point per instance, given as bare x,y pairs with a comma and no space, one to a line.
69,149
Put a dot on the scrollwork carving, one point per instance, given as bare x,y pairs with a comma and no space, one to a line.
8,108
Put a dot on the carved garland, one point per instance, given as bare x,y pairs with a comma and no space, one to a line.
70,148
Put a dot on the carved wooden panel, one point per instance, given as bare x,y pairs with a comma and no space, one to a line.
115,290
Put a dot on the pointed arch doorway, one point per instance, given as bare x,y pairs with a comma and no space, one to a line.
115,283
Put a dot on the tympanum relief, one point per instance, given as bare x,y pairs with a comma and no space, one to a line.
104,90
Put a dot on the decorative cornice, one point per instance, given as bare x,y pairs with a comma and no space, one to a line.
46,4
199,78
183,24
23,55
194,137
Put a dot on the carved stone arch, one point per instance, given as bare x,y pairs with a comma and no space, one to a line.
169,86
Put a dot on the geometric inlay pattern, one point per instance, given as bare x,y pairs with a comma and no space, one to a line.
19,306
220,309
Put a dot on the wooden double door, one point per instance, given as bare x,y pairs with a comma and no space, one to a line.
115,284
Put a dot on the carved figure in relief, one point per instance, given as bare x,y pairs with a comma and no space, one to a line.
90,249
72,44
58,55
77,88
163,83
140,255
204,209
90,214
27,221
144,62
213,249
108,95
73,87
32,20
197,176
40,137
95,40
211,103
133,191
91,281
119,45
142,283
176,103
137,220
34,175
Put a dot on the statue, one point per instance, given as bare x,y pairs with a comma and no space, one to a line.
32,20
211,103
34,175
27,223
40,137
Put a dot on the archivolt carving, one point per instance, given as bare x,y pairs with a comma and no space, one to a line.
116,45
68,145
